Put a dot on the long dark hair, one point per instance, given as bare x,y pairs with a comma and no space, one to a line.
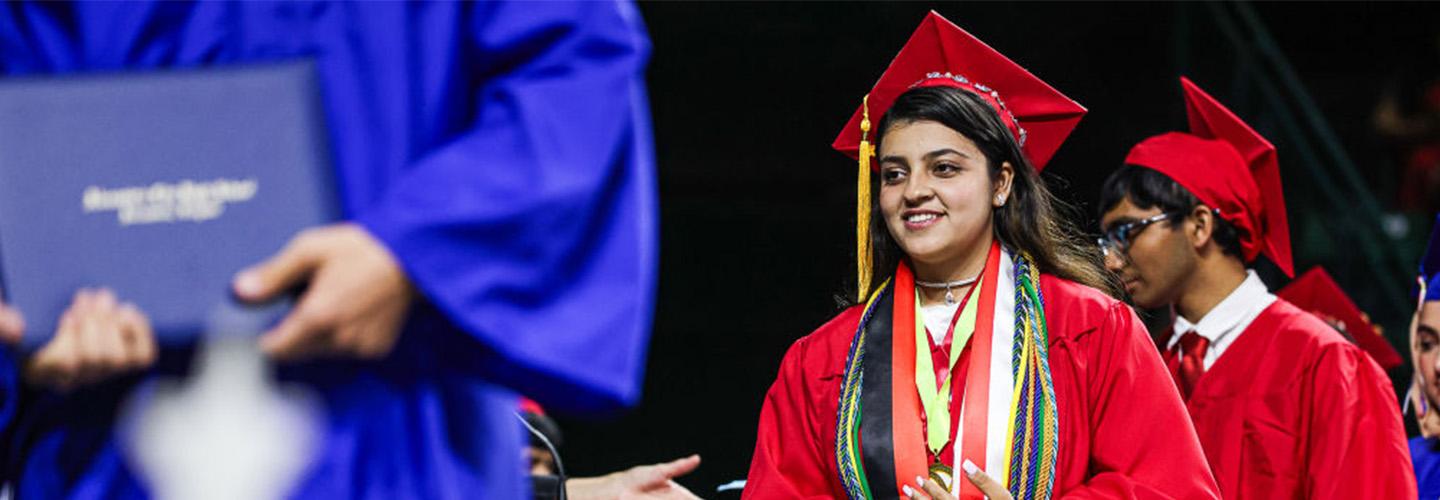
1032,220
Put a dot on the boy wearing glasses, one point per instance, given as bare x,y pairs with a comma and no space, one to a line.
1285,406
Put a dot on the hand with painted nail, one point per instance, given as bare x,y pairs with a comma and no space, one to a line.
929,489
355,301
99,337
926,489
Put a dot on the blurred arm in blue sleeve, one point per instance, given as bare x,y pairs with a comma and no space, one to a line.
535,230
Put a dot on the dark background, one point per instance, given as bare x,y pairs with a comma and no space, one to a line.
757,233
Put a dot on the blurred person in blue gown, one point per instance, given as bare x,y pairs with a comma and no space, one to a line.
1425,356
495,166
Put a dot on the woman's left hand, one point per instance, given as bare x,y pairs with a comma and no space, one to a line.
929,489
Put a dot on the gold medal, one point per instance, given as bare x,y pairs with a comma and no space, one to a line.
941,474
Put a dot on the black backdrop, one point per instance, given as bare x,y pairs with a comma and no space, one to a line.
756,229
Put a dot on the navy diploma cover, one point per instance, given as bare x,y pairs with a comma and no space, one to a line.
158,185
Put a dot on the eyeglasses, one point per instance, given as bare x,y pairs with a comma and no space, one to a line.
1117,239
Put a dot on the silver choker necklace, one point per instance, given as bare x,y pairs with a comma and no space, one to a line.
949,286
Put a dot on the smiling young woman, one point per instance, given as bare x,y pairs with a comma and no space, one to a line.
971,191
990,347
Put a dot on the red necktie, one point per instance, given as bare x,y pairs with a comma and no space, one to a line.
1188,363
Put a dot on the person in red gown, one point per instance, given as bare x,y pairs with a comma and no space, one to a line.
1284,405
993,347
1315,291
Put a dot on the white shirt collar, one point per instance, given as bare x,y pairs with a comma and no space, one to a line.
1224,323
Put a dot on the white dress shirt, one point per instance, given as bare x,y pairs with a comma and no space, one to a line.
1224,323
937,319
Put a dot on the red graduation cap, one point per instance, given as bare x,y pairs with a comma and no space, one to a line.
1317,293
1229,167
942,54
939,53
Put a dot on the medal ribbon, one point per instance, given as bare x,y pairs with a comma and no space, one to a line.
936,401
906,409
975,412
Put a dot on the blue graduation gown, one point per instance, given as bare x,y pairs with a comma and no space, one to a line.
502,152
1425,456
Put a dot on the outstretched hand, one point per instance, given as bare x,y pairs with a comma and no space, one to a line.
645,482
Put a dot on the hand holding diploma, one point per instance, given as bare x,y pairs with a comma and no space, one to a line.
98,337
355,303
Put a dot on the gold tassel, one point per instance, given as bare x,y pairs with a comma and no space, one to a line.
863,258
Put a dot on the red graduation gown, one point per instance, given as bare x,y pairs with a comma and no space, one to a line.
1124,433
1293,410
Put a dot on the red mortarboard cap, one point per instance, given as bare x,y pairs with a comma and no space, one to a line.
1229,167
942,54
1317,293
